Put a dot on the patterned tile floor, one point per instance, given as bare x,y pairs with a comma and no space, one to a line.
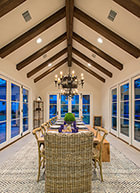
19,173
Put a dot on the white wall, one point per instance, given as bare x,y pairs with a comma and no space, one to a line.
92,86
130,69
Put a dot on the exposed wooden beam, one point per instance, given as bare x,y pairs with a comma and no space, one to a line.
107,33
8,5
40,52
30,34
102,69
50,70
44,64
69,27
88,70
96,50
132,6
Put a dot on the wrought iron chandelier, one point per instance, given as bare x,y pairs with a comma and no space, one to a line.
68,83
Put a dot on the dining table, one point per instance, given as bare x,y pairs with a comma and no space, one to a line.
79,124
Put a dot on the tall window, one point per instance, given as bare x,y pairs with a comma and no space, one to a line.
114,109
75,105
15,110
53,106
64,105
25,110
137,109
3,104
124,109
86,109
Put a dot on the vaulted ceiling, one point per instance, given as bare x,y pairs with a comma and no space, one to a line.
69,30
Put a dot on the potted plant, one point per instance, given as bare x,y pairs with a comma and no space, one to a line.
69,118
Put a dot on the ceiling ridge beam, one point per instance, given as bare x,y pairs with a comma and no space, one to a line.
50,70
97,51
88,70
44,64
33,32
40,52
107,33
8,5
132,6
69,27
94,64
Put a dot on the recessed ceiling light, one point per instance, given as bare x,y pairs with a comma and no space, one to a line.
50,64
100,40
89,64
39,40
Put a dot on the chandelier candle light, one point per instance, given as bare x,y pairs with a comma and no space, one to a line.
68,83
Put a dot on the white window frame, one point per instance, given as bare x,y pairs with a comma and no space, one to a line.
121,135
69,105
8,129
115,132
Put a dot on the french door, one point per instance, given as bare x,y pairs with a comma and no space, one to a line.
114,111
124,111
78,104
14,110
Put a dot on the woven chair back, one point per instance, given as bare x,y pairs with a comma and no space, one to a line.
68,162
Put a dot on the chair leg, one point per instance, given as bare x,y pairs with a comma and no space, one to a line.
101,174
39,166
95,164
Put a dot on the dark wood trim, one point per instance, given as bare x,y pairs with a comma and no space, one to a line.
33,32
8,5
44,64
40,52
96,50
88,70
50,70
69,27
14,141
107,33
132,6
94,64
135,148
125,141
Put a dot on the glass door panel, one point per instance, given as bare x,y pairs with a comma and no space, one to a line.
25,109
3,111
114,109
53,106
137,110
124,109
64,105
86,109
75,105
15,110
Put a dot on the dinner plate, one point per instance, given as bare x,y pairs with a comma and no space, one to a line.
59,123
55,126
81,126
79,123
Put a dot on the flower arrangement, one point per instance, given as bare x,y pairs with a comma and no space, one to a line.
69,118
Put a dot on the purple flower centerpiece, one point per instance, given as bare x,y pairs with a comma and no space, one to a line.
61,128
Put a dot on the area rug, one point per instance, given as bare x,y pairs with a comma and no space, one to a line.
19,174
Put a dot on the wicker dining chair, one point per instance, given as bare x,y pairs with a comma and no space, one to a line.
38,132
45,126
97,148
68,162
